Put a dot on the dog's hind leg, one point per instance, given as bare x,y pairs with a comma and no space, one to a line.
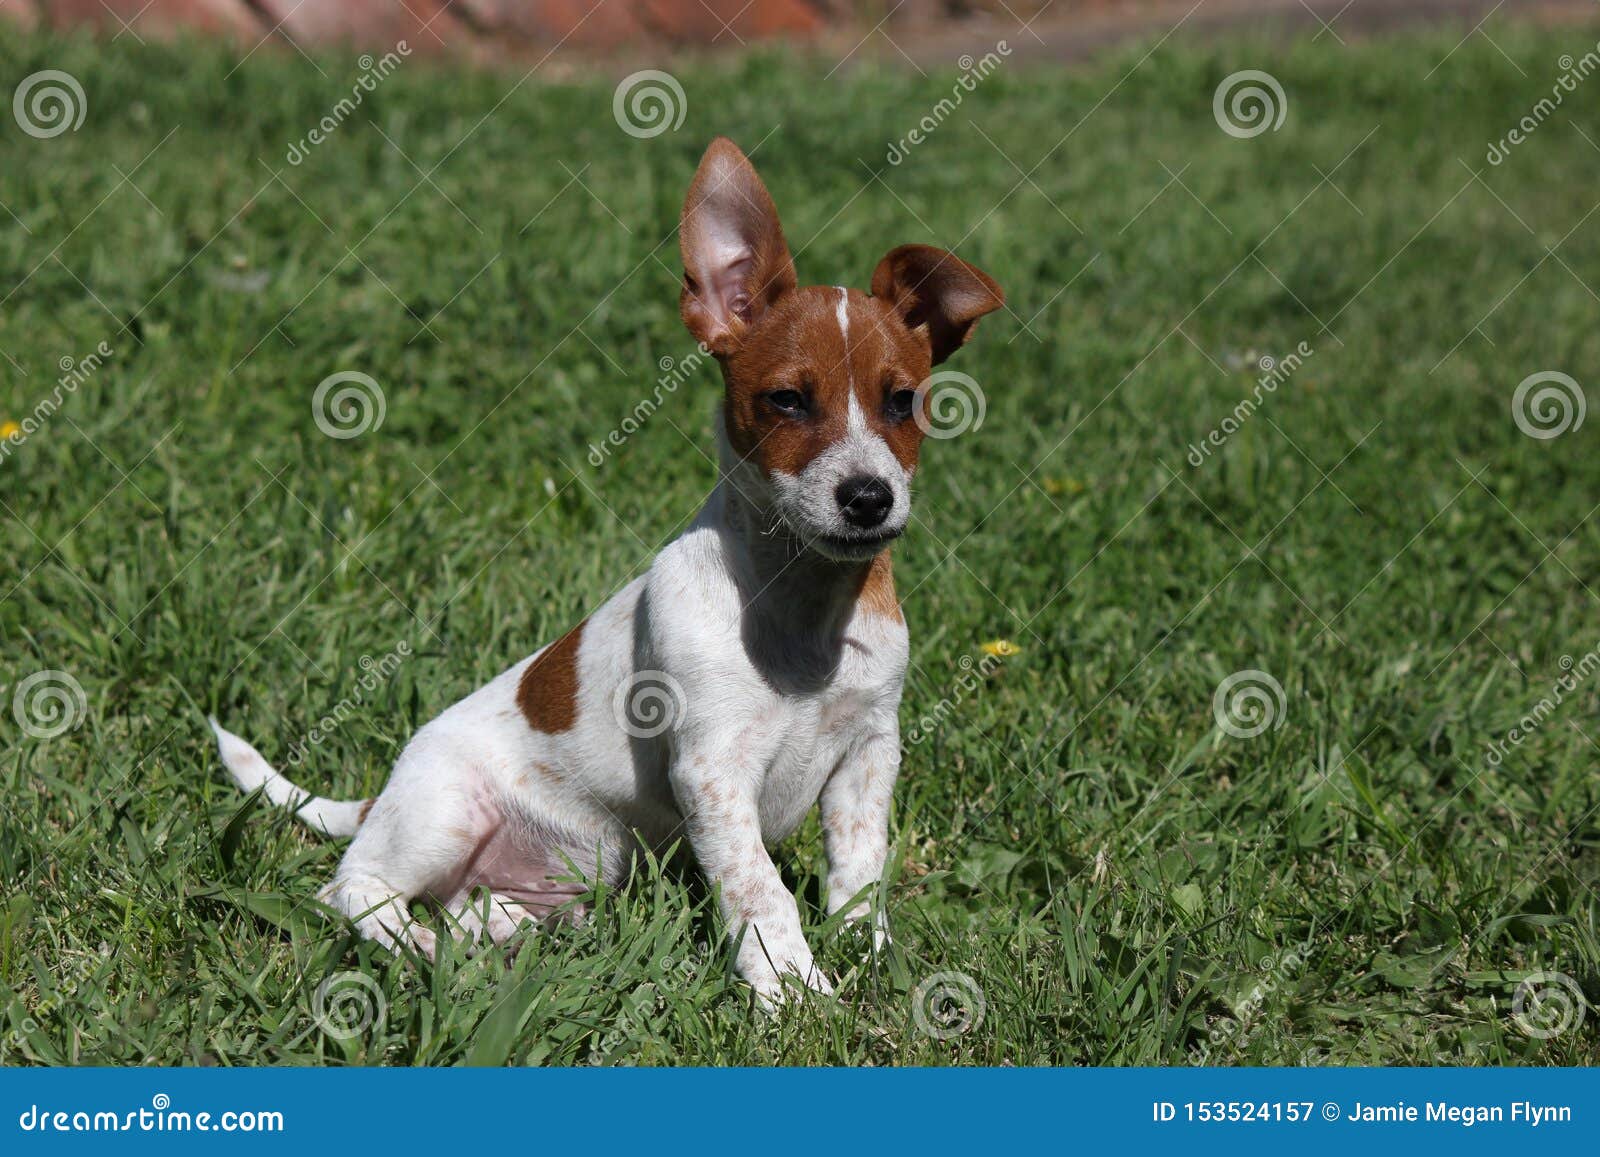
380,911
484,915
414,843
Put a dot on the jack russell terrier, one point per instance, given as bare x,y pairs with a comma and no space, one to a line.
755,670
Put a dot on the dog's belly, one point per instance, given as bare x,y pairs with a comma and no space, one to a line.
520,861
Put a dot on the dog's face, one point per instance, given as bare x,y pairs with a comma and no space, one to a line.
822,382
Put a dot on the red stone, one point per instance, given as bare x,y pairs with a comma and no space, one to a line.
159,19
425,25
21,12
728,21
551,22
467,27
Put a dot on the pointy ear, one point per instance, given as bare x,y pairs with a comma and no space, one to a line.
735,260
936,292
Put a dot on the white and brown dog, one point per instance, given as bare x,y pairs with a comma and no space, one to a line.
754,671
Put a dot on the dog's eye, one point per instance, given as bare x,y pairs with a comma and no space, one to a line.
898,405
790,402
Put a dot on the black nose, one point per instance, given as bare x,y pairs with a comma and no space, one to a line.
865,501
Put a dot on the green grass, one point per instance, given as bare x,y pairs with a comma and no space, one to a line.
1120,878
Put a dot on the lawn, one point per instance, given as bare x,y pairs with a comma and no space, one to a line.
1094,863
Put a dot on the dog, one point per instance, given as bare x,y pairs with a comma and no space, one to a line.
755,670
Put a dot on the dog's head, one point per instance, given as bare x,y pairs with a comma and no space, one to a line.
822,382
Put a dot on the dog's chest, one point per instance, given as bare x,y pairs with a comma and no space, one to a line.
813,734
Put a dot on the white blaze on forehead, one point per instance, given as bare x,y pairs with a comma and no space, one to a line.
857,422
843,314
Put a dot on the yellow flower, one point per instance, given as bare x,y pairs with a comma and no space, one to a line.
1071,487
999,648
7,429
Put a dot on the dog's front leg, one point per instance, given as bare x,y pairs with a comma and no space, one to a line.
722,818
855,826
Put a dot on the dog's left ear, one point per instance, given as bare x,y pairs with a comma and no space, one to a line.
936,291
735,260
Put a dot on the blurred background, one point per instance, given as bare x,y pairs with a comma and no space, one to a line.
1253,708
920,29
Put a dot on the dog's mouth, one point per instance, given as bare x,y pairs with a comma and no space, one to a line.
856,546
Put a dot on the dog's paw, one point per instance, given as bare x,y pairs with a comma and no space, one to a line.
865,934
776,990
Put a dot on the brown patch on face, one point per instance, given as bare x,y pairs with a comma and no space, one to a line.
548,692
799,345
877,590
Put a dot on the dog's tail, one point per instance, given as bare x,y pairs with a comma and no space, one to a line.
250,771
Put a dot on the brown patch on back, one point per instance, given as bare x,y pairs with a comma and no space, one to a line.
548,692
877,590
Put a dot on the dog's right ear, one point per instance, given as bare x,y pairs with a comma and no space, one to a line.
735,260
